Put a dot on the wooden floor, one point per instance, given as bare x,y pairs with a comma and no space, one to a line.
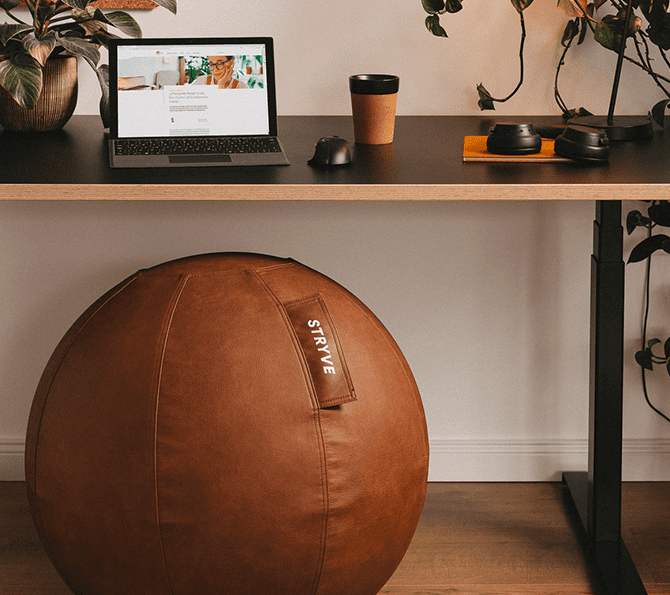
473,539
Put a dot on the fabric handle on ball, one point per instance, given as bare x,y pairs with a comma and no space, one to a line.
322,351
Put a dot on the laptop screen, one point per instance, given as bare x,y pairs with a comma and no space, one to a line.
197,87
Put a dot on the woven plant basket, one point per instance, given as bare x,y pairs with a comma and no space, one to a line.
55,105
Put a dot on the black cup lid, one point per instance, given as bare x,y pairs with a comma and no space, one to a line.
374,84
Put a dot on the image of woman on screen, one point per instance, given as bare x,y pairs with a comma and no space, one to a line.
221,69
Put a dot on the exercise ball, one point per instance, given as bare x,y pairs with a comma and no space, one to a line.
227,424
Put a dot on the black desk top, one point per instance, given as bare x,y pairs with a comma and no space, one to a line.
427,150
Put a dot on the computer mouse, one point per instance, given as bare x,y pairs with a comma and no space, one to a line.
332,150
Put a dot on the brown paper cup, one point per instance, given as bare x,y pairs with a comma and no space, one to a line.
373,104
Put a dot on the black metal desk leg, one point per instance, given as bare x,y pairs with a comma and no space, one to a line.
597,494
606,396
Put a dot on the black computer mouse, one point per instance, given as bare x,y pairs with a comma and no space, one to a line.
332,150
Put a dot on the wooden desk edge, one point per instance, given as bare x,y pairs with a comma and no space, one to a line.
334,192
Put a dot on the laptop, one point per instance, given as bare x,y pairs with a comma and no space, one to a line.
193,103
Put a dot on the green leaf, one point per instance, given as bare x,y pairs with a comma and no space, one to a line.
666,348
659,31
45,12
660,213
658,112
433,25
171,5
103,79
124,23
652,8
40,49
432,6
452,6
8,32
608,31
635,219
634,23
648,246
584,25
570,32
21,76
485,99
90,20
9,4
80,47
521,5
644,359
103,38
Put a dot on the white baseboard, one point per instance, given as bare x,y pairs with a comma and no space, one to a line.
11,459
539,460
480,459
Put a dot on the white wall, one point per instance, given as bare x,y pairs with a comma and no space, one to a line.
489,302
319,45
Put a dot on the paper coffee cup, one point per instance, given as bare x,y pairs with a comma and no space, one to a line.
373,103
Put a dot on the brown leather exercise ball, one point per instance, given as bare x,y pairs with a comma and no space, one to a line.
227,424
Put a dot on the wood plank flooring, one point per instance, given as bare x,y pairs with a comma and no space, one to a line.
472,539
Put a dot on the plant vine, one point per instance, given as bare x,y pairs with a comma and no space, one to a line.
658,214
650,44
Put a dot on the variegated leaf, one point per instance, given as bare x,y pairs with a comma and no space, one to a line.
90,19
80,47
8,32
171,5
21,76
40,49
124,23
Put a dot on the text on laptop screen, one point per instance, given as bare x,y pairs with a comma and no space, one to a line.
199,90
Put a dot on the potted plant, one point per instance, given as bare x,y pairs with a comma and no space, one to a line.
34,53
649,46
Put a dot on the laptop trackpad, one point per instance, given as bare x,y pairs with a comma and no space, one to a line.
199,158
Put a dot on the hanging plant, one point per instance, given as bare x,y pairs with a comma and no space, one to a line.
435,8
652,352
649,46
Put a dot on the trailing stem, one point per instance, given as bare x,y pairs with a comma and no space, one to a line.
557,95
521,45
486,100
647,300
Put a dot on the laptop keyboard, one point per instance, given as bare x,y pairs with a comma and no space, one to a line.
196,145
